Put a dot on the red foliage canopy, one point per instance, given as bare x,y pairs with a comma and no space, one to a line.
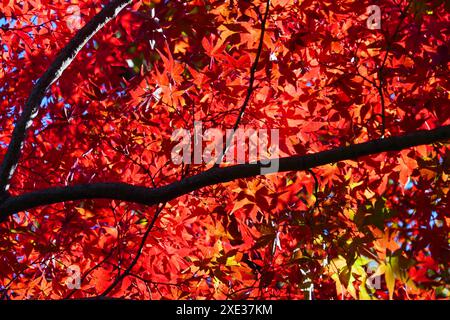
93,205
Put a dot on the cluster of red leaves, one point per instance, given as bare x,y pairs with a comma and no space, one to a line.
324,79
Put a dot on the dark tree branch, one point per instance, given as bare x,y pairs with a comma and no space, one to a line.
152,196
62,61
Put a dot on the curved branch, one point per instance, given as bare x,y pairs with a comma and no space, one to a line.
152,196
62,61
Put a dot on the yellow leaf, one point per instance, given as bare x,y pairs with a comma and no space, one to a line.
355,184
351,289
339,286
363,295
181,47
142,222
390,280
289,182
84,212
231,261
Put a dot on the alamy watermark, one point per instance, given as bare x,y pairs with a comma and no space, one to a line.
244,146
73,19
373,280
374,20
73,280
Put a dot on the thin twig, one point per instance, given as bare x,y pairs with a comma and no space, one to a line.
138,254
381,81
250,88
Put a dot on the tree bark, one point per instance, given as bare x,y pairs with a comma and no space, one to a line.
152,196
62,61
